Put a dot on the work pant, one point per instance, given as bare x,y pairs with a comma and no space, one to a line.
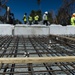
36,22
30,22
25,22
45,22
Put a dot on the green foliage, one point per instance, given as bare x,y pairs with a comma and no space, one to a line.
50,17
32,13
1,18
38,12
65,12
3,4
17,21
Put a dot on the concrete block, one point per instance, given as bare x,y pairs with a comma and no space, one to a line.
31,30
62,30
6,29
55,29
70,30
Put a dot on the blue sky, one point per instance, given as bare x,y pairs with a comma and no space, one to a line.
19,7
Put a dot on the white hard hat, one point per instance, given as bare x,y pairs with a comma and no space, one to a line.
46,12
73,13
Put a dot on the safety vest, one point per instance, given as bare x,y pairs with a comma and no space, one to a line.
45,17
30,18
73,21
36,18
24,18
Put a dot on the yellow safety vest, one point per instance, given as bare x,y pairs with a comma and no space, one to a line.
73,21
36,18
46,17
30,18
25,18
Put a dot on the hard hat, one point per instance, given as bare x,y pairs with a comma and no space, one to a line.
73,13
46,12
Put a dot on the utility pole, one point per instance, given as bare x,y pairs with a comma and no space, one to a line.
39,4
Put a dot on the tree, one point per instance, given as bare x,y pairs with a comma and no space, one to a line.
17,21
65,12
50,17
33,13
3,4
38,12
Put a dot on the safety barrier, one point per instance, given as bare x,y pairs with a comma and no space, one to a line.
22,29
6,29
31,30
62,30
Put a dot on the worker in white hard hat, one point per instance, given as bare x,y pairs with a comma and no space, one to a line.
45,18
73,19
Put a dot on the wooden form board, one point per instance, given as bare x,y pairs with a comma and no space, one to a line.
63,37
25,60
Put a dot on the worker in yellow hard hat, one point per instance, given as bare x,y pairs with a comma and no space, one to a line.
73,19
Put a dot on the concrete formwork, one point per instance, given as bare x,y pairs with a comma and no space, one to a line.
31,30
70,30
62,30
22,29
6,29
56,29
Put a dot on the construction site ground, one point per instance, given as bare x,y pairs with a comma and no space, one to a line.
41,46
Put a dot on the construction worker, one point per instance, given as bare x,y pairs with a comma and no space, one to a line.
73,19
36,18
25,18
45,18
30,19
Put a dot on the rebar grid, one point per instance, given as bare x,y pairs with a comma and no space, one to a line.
41,46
